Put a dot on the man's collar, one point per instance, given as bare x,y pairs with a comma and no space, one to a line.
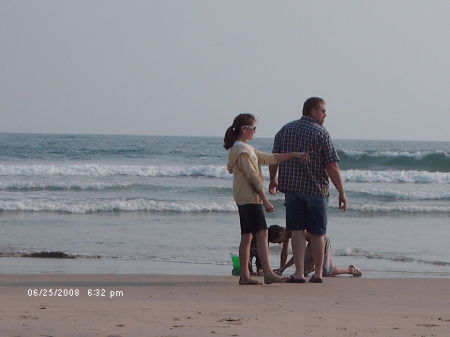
309,119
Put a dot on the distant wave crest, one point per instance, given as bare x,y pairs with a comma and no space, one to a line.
180,206
399,195
117,205
400,208
30,186
99,170
421,160
210,171
368,176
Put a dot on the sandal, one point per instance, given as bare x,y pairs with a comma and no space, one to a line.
292,279
313,279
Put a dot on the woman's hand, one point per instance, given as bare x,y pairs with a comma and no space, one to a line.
303,156
268,206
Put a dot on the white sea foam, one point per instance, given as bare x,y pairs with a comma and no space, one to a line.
116,205
400,195
402,176
385,256
144,205
99,170
394,154
396,208
210,171
34,185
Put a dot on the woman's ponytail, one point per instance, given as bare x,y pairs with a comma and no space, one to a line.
232,133
230,137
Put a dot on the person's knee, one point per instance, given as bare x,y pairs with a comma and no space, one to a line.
317,230
318,237
261,233
247,237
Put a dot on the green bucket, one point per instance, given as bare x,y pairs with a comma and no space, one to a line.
236,265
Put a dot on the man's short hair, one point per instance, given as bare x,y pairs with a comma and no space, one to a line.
274,232
311,103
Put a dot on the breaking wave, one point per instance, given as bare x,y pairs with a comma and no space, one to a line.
400,208
179,206
210,171
385,256
421,160
418,177
390,194
99,170
117,205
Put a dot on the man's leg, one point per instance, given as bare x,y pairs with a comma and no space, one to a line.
298,250
296,219
317,227
318,246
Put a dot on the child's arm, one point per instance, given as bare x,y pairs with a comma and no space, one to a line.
284,254
250,267
283,258
276,158
281,157
257,185
280,270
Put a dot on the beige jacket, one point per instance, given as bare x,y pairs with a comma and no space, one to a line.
244,161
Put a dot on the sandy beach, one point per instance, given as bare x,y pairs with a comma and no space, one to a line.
150,305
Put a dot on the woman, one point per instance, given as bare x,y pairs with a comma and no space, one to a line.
244,161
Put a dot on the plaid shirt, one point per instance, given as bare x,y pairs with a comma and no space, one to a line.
305,135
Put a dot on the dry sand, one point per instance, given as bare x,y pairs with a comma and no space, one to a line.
199,306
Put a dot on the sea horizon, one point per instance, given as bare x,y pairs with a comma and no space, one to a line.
207,136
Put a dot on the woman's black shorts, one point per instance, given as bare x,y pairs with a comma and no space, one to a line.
252,218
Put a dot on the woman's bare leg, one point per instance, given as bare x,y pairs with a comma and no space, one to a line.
262,248
244,258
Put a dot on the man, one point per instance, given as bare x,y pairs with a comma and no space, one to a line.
305,185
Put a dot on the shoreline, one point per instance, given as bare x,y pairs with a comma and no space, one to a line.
116,266
187,305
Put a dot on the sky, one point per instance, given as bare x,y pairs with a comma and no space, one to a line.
189,67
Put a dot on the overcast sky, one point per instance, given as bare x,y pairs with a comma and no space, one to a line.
189,67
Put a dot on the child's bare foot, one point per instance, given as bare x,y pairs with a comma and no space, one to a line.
272,278
354,271
249,282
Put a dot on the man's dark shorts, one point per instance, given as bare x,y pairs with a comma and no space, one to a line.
252,218
306,212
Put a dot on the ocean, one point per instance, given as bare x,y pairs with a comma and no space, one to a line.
164,205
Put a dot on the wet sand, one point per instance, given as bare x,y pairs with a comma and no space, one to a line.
162,306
